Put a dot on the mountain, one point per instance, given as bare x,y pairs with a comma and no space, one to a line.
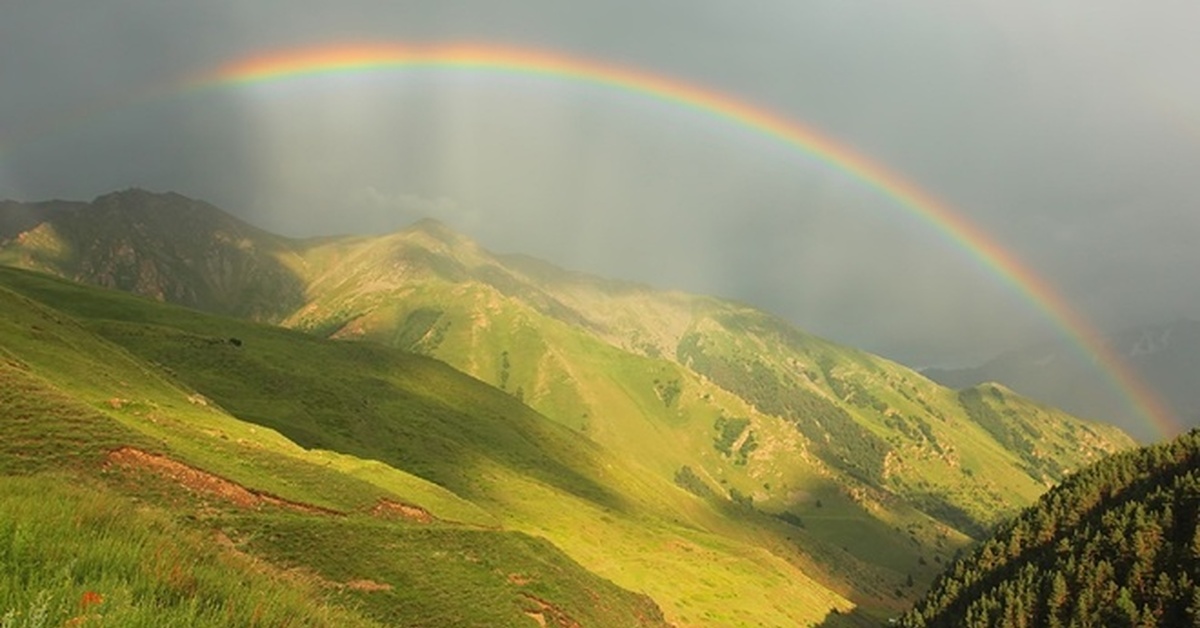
213,262
153,404
629,366
1166,357
1116,544
746,459
16,218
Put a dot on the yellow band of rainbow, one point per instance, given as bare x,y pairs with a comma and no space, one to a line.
554,66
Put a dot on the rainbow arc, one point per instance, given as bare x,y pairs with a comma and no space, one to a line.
902,193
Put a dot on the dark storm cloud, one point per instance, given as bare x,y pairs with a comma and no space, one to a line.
1070,133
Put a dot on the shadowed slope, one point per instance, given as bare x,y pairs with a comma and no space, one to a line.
213,262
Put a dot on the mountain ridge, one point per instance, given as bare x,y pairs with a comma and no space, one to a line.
225,265
1057,373
798,443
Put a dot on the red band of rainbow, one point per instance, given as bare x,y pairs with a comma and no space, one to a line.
554,66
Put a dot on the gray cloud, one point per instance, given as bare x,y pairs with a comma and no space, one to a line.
1069,132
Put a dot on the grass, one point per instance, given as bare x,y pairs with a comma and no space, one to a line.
52,425
45,429
698,576
70,401
411,412
511,450
444,576
615,398
74,553
910,496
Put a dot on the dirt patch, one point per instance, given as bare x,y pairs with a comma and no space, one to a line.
547,612
519,579
389,509
205,483
678,545
368,585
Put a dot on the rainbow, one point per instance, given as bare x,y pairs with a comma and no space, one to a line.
554,66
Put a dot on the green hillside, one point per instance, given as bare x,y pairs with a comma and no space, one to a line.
1116,544
688,448
651,375
174,512
173,383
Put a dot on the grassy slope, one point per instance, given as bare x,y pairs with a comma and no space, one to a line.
531,474
929,445
70,397
880,473
78,553
612,397
901,468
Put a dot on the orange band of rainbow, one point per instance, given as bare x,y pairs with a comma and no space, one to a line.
553,66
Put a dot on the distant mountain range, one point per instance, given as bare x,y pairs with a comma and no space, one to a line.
1166,357
646,435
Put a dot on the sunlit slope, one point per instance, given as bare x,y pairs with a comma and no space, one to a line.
232,508
76,552
506,465
876,472
965,457
669,379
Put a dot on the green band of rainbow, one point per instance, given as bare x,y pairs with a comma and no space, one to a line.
952,225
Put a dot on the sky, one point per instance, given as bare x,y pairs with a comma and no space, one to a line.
1067,132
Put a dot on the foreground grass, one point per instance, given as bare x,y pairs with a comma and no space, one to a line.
139,545
410,574
421,421
75,553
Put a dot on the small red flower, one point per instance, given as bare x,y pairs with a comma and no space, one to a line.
90,598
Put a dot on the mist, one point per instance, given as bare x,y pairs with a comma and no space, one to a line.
1067,133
